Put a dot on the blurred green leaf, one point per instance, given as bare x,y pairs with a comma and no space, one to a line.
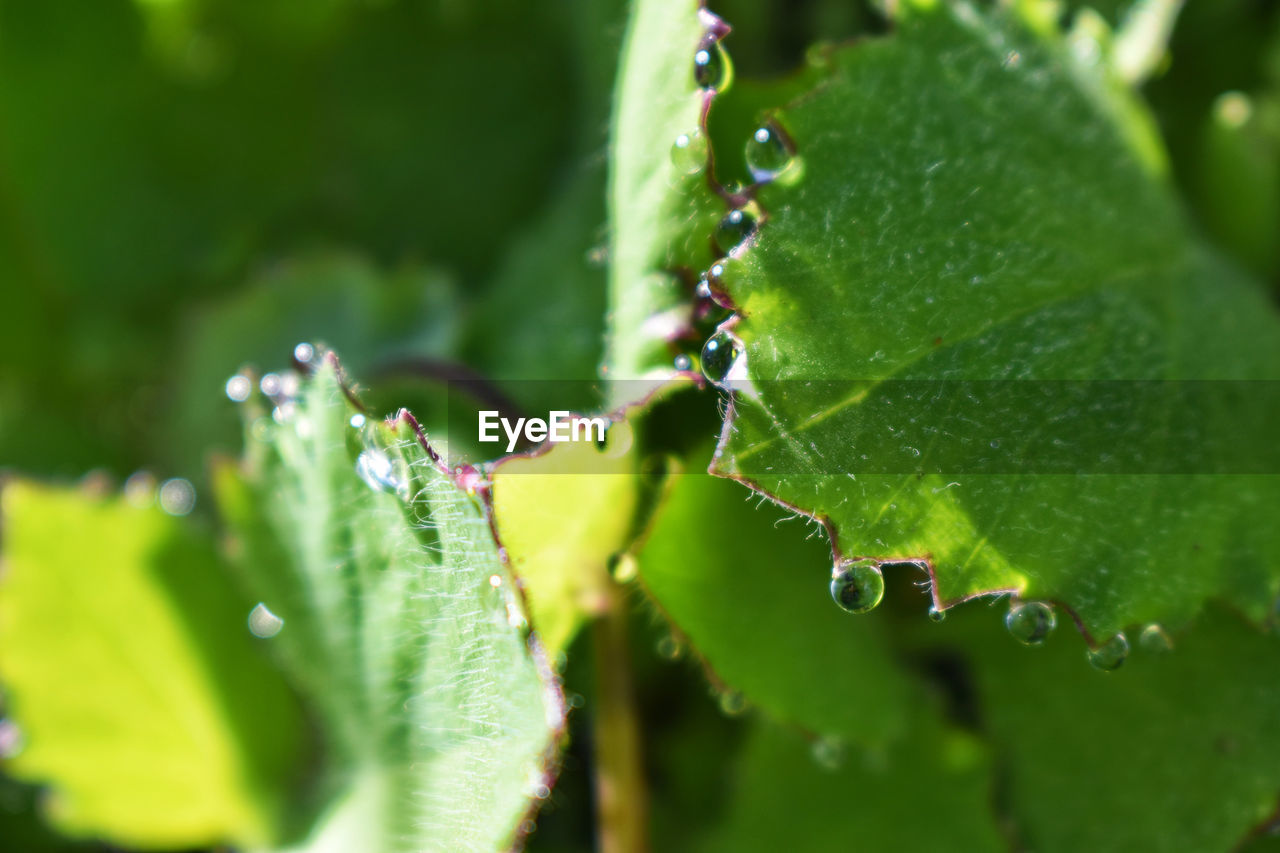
138,183
401,624
1177,751
140,697
750,594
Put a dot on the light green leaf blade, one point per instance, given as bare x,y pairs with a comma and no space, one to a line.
140,697
402,624
968,209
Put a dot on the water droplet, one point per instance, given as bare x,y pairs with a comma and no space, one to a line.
703,290
177,496
732,703
669,648
626,568
734,229
541,791
290,384
140,489
770,153
303,353
270,384
937,615
378,472
1155,639
689,153
710,66
718,355
1111,654
11,740
263,623
1233,109
357,421
829,753
857,585
239,388
1030,622
683,362
515,616
495,581
284,412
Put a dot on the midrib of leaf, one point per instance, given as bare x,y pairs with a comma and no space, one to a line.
868,387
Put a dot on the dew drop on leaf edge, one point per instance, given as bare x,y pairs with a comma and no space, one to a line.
710,65
718,355
1155,639
376,469
239,387
828,752
669,648
1030,622
736,228
857,585
263,623
1111,654
769,153
732,703
689,153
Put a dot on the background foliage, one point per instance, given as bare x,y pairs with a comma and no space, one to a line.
460,198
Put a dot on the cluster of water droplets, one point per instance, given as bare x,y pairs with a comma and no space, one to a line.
175,496
1110,654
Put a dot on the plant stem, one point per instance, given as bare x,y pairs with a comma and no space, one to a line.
622,796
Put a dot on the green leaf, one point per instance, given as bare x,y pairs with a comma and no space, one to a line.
750,594
401,623
660,212
1177,751
139,694
931,792
562,515
968,209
